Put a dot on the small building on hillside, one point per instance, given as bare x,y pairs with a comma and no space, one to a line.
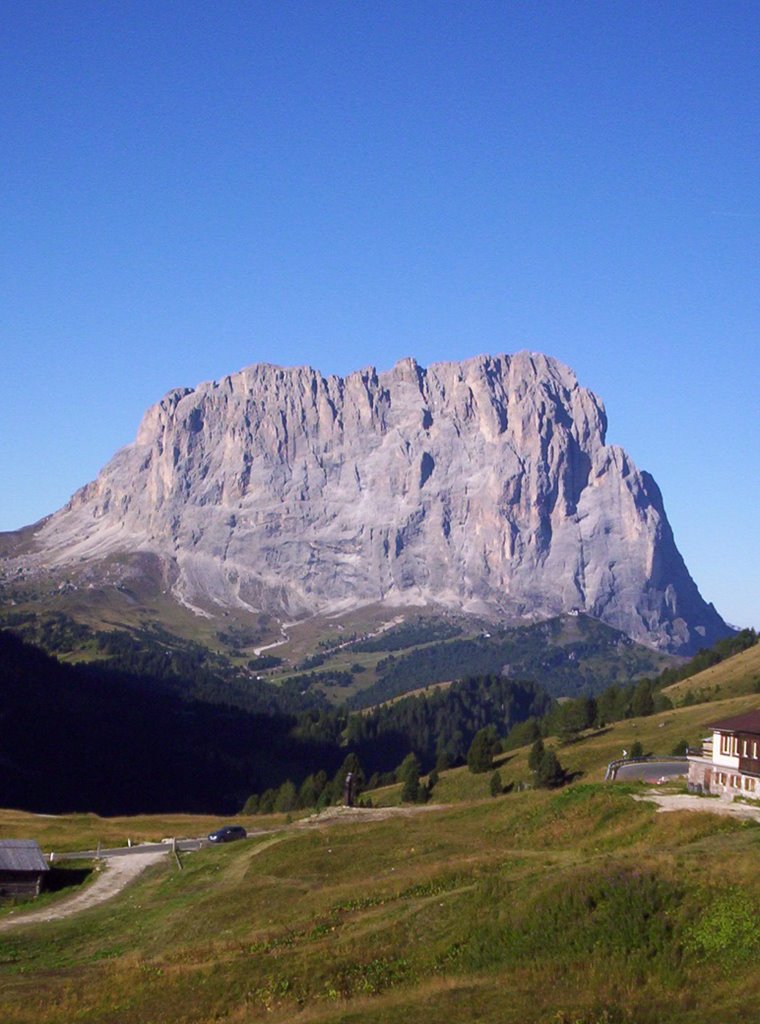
729,762
22,868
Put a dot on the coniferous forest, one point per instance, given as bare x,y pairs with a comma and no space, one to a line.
99,738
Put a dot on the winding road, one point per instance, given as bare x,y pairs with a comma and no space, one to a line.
652,771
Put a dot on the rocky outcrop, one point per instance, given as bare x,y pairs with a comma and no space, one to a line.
481,486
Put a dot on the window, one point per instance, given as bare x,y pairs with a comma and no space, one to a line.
729,744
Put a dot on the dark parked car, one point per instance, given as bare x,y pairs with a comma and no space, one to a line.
227,834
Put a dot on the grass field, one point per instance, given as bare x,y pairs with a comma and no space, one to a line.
514,909
579,906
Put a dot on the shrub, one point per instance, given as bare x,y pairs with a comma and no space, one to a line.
727,930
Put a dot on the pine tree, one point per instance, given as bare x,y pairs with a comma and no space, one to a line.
550,772
409,777
497,787
286,798
251,806
443,760
266,803
307,794
535,755
642,702
480,754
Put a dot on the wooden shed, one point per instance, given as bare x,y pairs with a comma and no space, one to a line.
22,867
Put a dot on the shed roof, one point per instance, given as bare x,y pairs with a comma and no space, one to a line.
21,855
748,722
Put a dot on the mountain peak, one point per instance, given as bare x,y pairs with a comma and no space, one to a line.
484,486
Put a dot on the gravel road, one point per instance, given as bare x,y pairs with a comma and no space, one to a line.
114,875
709,805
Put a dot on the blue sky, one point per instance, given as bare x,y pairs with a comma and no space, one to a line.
189,188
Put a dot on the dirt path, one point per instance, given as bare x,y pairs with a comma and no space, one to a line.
683,802
117,873
331,815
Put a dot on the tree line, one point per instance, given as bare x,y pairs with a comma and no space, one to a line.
104,739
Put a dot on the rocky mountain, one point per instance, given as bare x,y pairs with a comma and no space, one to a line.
484,486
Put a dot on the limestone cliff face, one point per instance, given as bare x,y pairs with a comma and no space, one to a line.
481,486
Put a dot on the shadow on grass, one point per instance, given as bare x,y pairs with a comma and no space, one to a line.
61,879
581,737
57,880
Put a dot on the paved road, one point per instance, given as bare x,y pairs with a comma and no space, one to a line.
183,846
653,771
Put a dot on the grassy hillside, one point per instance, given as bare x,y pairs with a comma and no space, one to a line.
586,759
737,675
578,906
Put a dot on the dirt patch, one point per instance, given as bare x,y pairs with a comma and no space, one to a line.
356,814
709,805
116,873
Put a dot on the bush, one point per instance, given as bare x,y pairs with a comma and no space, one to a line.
726,930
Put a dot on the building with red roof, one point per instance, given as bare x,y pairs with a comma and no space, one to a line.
729,764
